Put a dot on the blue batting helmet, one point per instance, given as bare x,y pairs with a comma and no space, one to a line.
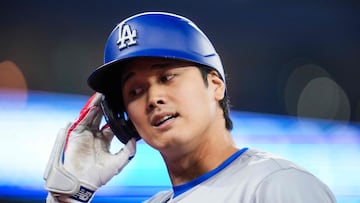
153,34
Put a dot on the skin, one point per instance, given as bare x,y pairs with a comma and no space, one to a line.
177,114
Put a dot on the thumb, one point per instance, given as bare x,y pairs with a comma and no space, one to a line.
129,149
114,163
107,133
120,159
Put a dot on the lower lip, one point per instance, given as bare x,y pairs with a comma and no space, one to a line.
166,125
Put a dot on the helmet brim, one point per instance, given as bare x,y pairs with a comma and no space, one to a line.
107,77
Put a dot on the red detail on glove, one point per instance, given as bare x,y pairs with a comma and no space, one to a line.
84,111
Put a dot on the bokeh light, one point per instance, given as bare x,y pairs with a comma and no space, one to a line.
323,98
311,92
12,84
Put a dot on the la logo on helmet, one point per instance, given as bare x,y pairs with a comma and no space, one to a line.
126,36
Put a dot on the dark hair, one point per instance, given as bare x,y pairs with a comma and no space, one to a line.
224,103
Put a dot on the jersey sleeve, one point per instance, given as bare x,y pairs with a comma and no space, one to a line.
292,185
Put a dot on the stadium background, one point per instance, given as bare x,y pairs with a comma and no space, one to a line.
293,73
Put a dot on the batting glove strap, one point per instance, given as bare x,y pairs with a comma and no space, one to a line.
83,195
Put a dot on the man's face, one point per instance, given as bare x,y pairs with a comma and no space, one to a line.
168,101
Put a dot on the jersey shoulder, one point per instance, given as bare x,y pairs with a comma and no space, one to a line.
282,180
265,162
159,197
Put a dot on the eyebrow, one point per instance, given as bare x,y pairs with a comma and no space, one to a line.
130,74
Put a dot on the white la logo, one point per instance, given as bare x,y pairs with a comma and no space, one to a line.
126,36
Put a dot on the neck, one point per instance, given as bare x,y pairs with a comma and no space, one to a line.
185,166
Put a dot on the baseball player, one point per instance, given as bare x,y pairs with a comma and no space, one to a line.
162,81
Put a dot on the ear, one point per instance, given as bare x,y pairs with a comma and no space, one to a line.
217,84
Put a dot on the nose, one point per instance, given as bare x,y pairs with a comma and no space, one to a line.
155,96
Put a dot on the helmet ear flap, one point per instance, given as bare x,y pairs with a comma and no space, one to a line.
119,123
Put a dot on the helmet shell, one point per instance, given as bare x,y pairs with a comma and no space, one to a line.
153,34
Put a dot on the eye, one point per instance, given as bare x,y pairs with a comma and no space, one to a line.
166,77
135,91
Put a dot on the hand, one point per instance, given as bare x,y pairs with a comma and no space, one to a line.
81,162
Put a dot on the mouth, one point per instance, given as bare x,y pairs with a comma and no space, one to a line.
163,119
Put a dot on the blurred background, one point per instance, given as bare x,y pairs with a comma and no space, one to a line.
293,72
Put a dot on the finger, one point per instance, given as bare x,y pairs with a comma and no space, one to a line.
107,133
118,161
90,115
127,152
94,100
94,123
130,147
86,119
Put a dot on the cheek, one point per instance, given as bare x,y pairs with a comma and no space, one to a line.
135,112
196,92
137,117
195,99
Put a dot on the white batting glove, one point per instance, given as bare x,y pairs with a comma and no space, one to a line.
81,162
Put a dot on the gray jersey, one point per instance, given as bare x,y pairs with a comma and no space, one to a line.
251,176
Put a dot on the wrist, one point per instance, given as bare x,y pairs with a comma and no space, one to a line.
83,195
